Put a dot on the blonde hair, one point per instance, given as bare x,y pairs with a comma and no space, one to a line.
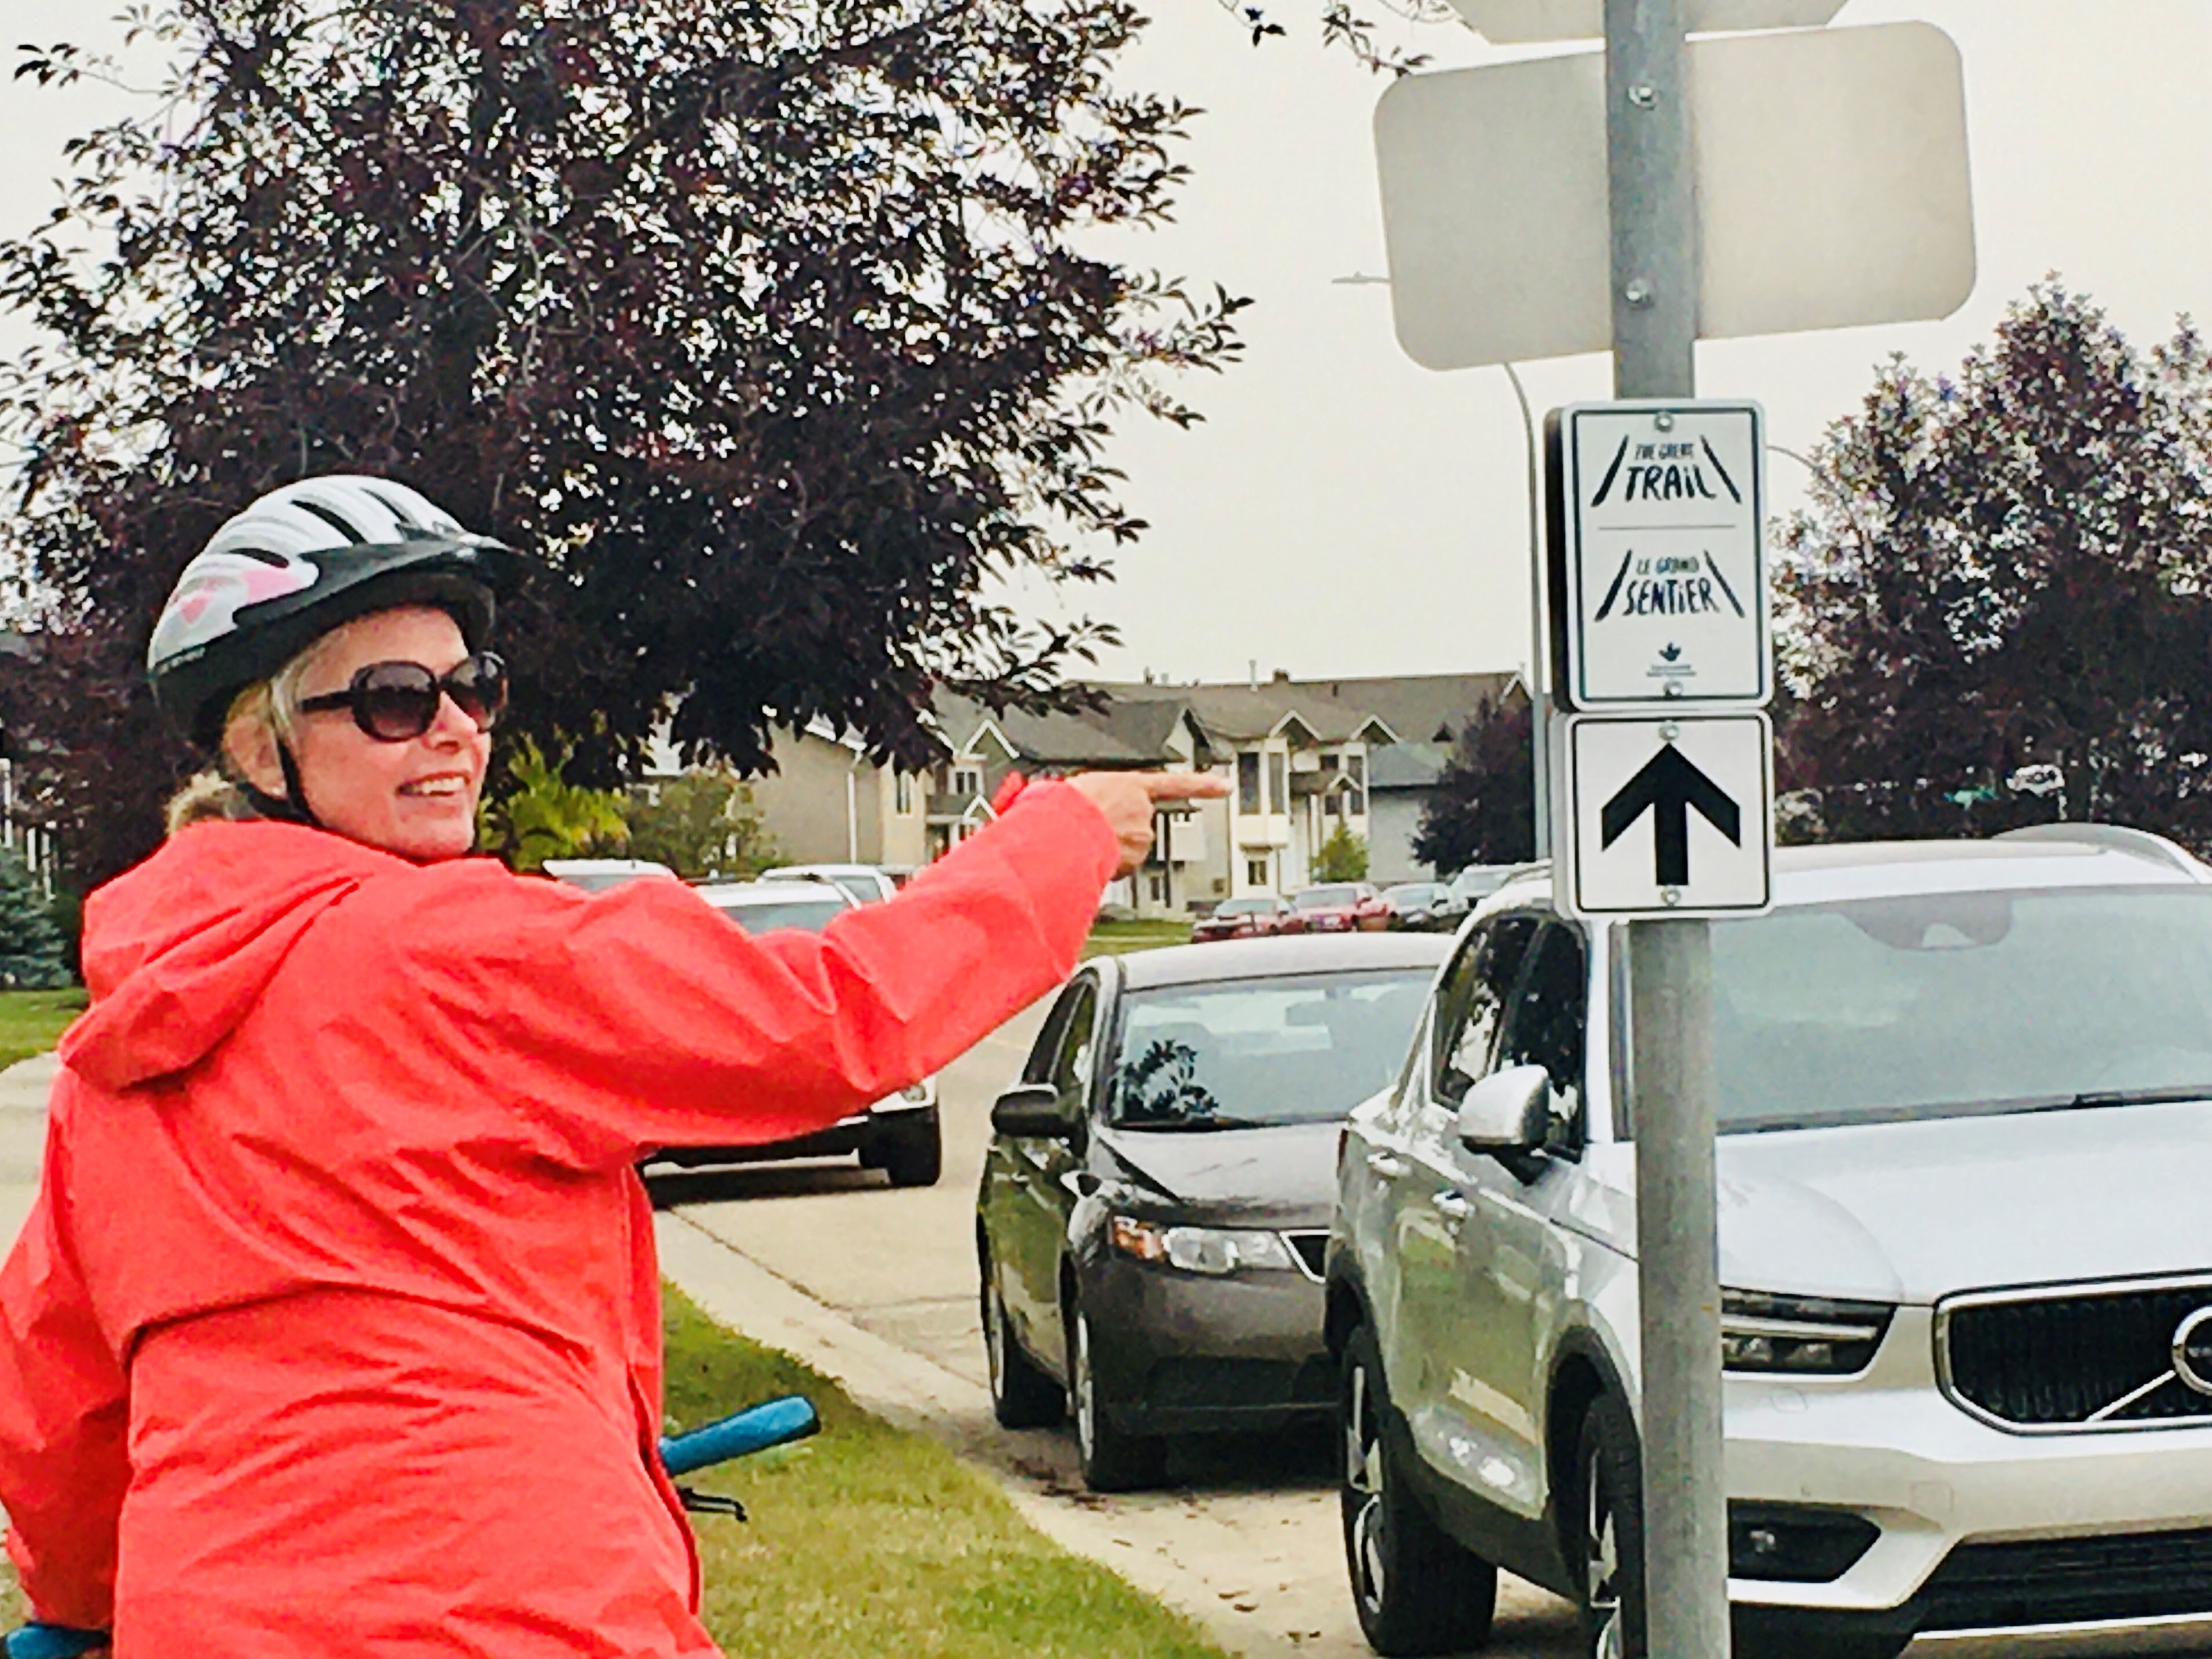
272,706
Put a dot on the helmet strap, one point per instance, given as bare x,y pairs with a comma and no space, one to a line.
291,807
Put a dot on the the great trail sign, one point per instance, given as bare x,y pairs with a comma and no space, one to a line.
1658,602
1666,592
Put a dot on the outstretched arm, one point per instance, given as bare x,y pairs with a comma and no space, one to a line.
642,1018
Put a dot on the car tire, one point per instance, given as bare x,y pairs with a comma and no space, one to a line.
1023,1395
1416,1591
1112,1461
1605,1530
911,1155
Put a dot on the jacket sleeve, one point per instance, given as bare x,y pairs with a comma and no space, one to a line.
64,1420
641,1017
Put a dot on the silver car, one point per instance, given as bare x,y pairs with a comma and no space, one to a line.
1965,1104
901,1134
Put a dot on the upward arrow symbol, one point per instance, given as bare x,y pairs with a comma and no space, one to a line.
1669,787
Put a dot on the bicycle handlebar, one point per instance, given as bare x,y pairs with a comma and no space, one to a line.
53,1642
772,1422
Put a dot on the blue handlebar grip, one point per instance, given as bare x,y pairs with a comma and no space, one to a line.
772,1422
53,1642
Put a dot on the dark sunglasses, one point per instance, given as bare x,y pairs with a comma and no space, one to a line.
393,701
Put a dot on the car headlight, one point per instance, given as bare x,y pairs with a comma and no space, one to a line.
1214,1250
1807,1335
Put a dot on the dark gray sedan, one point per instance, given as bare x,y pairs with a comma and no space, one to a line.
1156,1198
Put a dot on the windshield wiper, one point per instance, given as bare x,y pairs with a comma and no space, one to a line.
1194,1124
2166,1094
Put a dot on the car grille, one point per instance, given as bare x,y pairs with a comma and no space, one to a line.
1311,1249
2060,1581
2092,1360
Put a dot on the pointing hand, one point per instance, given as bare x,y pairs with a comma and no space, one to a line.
1129,799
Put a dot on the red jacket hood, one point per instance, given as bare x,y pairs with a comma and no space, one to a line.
177,950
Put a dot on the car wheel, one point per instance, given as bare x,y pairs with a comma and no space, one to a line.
1112,1461
912,1155
1607,1536
1022,1396
1415,1589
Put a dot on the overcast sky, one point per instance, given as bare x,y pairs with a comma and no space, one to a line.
1344,512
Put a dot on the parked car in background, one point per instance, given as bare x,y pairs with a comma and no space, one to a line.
867,882
1339,907
1417,907
1156,1194
901,1134
1256,917
597,875
1963,1092
1470,886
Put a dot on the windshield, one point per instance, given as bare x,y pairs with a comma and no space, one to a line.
808,915
1414,893
1478,883
1945,1004
1325,898
1242,907
1235,1053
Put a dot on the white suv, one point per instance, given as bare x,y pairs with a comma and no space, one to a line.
1965,1104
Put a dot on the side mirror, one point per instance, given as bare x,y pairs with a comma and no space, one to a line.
1031,1112
1509,1111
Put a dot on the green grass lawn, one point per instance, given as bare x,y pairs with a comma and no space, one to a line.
1113,938
871,1543
30,1021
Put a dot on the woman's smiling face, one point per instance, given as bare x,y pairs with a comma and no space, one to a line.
416,798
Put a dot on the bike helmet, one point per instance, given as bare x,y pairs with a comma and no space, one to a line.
297,563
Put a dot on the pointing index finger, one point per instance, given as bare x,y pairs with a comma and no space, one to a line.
1184,786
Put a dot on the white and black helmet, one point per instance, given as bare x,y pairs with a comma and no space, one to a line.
295,564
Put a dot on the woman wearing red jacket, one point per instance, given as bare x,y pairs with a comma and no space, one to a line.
335,1331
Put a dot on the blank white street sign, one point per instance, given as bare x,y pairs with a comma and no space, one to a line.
1667,816
1505,20
1666,570
1831,178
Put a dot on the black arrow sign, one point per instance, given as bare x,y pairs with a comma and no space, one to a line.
1669,787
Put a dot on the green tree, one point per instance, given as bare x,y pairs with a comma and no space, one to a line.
539,815
702,823
1482,809
1342,857
1996,608
774,334
33,956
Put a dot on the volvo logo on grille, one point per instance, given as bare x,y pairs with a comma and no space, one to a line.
2192,1350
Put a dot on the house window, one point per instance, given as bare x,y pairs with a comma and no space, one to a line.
1279,783
1248,783
968,781
903,793
1329,763
1355,802
1332,804
1255,872
1159,890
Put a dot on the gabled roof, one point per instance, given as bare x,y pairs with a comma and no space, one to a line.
1116,735
1231,715
1421,707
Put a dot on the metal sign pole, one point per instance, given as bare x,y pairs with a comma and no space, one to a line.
1655,327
